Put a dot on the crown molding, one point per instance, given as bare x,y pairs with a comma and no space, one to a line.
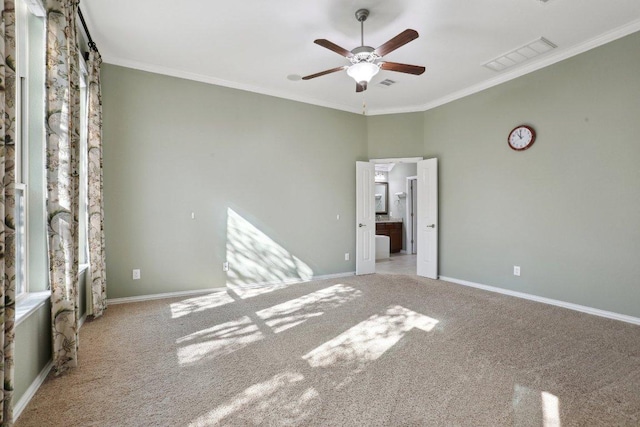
172,72
544,61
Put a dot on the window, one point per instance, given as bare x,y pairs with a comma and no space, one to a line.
21,168
32,262
30,218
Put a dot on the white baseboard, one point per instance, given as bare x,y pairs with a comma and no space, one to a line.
81,321
331,276
31,391
293,281
550,301
37,382
178,294
164,295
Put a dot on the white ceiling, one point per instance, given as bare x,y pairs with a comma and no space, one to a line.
260,45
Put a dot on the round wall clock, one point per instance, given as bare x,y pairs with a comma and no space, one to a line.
521,138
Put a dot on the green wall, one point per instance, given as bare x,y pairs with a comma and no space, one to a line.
265,178
567,209
32,350
33,342
261,169
395,135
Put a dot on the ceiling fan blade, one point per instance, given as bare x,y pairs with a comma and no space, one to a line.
402,68
322,73
361,87
400,40
334,47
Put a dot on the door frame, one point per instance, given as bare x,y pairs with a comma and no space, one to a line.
397,160
388,160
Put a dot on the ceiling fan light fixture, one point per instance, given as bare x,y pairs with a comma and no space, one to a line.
365,59
363,71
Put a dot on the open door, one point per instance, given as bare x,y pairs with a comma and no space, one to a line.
365,219
427,258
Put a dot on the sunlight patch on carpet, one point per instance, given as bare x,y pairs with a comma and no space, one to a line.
250,290
199,304
296,311
550,410
286,392
531,406
218,340
370,339
232,336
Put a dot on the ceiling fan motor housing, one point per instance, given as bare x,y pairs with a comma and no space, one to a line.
362,14
363,54
365,60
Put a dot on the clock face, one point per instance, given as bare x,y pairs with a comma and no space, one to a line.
521,138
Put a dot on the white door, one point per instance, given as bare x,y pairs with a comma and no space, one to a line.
427,263
365,219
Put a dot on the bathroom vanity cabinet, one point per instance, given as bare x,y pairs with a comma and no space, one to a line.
394,231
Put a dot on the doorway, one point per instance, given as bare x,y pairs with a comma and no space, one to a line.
417,195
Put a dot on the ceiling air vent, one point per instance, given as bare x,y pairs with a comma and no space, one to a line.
386,82
520,55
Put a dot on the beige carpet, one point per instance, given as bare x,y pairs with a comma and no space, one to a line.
380,350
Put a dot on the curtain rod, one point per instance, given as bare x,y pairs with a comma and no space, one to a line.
92,45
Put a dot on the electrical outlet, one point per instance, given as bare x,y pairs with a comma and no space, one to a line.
225,266
347,256
136,274
516,270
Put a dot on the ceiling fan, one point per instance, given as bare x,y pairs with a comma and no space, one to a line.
365,60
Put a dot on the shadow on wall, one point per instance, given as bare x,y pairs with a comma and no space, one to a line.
257,264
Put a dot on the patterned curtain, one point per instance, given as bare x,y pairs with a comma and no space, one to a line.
7,205
63,154
96,204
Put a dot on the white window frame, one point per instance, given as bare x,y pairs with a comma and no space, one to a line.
28,300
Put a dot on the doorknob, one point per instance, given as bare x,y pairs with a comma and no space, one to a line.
362,225
431,226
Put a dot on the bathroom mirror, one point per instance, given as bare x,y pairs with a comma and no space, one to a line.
382,198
